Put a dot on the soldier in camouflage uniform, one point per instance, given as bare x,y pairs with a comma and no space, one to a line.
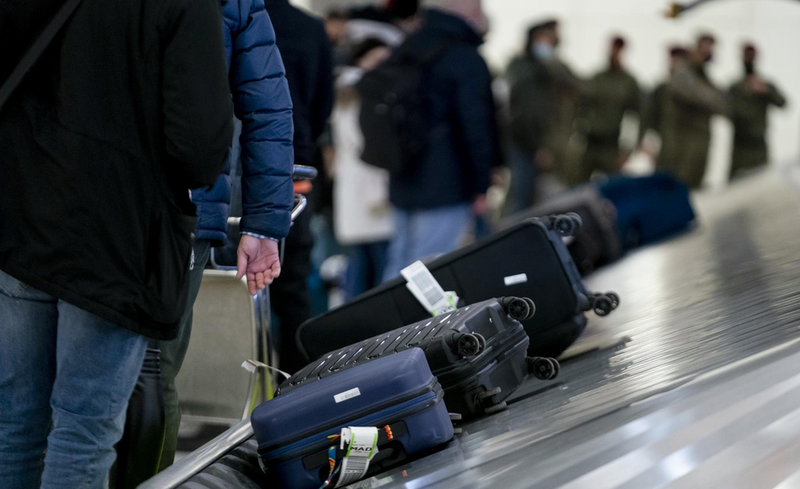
652,114
750,98
609,96
691,101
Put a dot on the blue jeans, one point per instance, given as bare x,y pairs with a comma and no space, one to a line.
365,268
426,233
65,379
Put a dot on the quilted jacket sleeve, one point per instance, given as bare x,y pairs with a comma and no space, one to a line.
263,103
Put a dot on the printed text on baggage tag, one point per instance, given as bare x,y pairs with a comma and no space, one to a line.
422,284
520,278
347,395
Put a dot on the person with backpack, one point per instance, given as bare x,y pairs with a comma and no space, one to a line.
127,109
439,139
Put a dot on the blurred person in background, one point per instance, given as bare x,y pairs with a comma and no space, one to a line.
652,117
609,95
436,201
565,88
336,28
692,100
263,104
101,144
528,122
307,56
362,216
750,98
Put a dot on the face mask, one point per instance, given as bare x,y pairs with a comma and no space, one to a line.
749,67
543,50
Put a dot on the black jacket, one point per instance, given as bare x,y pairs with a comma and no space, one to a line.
308,58
463,146
128,109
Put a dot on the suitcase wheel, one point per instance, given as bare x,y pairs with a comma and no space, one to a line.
603,305
567,225
468,345
482,340
544,368
496,408
518,308
488,394
614,298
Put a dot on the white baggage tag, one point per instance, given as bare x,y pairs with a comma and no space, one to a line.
427,290
362,446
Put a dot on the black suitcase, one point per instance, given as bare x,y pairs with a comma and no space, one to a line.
597,242
478,352
526,260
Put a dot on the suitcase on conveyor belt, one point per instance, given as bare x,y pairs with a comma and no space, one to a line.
525,260
649,208
396,394
478,352
597,242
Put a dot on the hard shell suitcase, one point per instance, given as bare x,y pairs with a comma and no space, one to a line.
525,260
479,354
597,242
649,208
397,394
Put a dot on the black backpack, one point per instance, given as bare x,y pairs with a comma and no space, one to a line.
394,112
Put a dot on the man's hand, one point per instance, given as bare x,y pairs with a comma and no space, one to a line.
259,260
757,85
480,207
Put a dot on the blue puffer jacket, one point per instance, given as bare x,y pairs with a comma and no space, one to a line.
262,102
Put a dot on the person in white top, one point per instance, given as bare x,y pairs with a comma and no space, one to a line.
362,215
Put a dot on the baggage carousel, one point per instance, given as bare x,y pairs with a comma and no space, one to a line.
694,382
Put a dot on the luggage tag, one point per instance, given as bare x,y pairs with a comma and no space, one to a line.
362,446
427,291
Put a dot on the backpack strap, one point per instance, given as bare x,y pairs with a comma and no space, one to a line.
35,51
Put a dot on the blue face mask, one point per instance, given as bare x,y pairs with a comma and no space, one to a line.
543,50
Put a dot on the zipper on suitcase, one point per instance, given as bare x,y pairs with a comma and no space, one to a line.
431,394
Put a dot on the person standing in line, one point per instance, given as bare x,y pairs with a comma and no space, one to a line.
558,155
362,213
691,101
263,104
609,96
750,99
652,118
528,121
308,58
101,143
435,202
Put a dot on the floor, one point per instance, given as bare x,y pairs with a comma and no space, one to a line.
694,382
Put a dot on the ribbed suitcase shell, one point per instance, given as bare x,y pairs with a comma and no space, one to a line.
502,362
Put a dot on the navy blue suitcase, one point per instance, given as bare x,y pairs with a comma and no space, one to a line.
529,259
397,394
649,208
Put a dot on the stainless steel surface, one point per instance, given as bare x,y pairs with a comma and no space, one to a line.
723,292
202,457
227,330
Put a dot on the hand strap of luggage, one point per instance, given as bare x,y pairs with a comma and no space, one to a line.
35,51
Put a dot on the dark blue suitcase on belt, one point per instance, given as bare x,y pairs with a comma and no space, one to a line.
397,394
649,208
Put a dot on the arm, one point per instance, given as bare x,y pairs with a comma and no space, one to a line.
263,104
776,98
475,113
688,89
198,126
